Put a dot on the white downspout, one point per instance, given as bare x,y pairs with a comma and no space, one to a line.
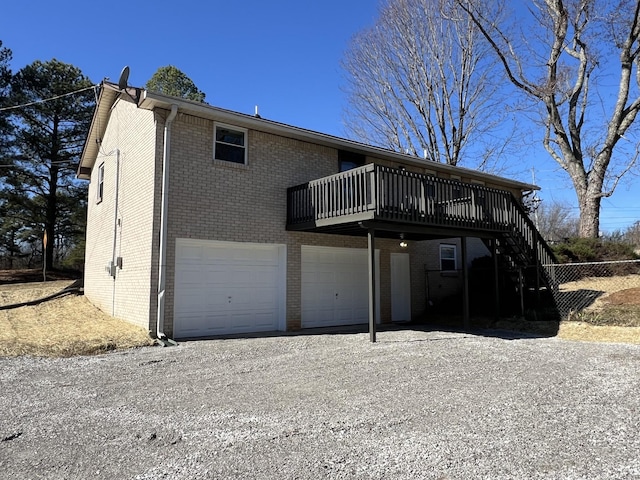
112,267
162,261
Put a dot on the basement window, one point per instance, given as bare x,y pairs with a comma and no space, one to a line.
448,262
230,144
100,191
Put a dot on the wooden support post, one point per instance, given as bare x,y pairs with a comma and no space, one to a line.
466,319
521,287
496,279
536,265
372,285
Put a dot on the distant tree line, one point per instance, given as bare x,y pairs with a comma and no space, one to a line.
558,225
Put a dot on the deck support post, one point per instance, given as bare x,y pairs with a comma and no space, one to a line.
466,319
371,235
521,288
496,279
536,264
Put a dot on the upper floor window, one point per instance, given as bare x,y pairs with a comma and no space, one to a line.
100,191
448,257
230,144
350,160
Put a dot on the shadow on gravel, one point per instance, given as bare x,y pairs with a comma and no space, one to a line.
511,328
498,329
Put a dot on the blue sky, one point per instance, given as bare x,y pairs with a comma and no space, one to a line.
282,55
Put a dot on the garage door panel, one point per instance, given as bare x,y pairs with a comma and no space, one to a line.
335,288
260,300
227,287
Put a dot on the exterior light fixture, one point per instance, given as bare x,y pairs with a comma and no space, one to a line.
403,243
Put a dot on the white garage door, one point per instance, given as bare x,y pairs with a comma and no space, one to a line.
228,287
335,288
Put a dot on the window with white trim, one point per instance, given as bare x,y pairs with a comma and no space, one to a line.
100,191
448,258
230,144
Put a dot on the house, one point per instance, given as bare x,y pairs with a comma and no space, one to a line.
203,221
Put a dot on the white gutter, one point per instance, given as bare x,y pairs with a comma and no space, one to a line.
162,261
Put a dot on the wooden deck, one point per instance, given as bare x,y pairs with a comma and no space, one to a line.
422,206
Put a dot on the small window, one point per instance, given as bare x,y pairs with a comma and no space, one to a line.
350,160
448,258
100,192
230,144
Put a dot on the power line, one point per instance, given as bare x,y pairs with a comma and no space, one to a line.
3,109
59,162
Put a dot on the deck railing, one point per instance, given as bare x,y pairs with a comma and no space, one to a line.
398,195
343,194
390,194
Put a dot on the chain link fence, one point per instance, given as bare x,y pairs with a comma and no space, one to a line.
555,292
576,286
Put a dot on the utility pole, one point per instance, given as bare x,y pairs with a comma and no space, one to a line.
536,200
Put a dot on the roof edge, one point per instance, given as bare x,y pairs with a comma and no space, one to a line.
152,100
147,100
109,93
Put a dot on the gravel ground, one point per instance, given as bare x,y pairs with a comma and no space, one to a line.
417,404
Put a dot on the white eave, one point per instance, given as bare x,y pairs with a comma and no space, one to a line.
108,96
151,101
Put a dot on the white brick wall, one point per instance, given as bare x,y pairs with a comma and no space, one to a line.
132,132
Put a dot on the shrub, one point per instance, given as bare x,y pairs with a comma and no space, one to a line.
578,250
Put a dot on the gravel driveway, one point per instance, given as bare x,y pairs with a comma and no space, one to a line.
417,404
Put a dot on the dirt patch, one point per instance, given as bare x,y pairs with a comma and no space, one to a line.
30,275
65,326
603,284
629,296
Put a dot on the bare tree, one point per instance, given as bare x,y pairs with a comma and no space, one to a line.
564,55
418,82
556,222
632,234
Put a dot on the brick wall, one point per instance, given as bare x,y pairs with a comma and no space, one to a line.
212,200
131,131
428,282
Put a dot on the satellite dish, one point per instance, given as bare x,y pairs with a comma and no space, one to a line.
124,78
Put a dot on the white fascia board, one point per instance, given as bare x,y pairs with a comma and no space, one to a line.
101,114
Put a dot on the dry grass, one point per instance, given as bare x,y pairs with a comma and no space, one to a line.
604,284
593,333
62,327
613,317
